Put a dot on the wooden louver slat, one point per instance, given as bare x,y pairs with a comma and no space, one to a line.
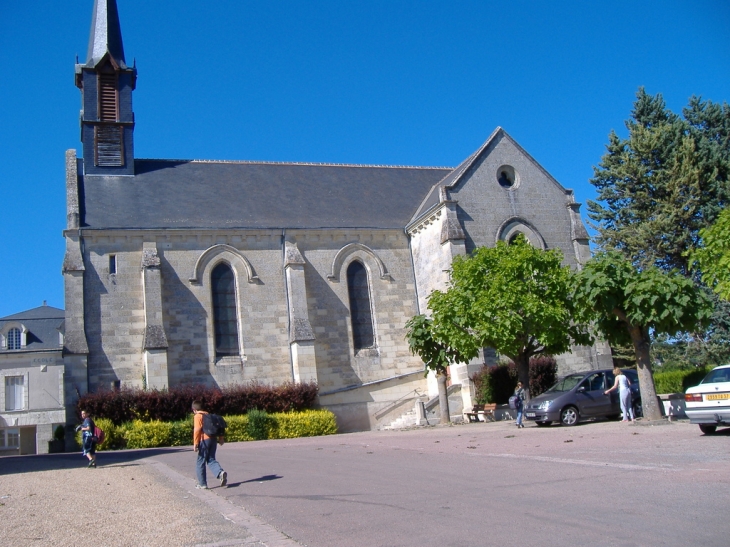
108,103
109,146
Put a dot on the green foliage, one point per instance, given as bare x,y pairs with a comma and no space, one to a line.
713,257
257,426
669,172
618,298
309,423
513,298
154,434
423,341
150,434
237,428
677,381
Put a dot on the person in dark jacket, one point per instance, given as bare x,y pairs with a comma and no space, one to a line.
88,442
519,403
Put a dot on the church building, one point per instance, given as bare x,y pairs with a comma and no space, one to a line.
222,272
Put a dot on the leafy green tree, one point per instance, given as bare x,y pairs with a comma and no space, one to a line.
437,355
713,258
513,298
627,305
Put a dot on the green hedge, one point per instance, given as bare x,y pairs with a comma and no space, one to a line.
677,381
155,434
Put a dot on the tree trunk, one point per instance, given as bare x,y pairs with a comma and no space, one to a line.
642,343
523,373
443,397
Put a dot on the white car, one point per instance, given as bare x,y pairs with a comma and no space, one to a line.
708,404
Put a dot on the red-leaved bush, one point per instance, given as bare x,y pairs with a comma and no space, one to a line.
124,405
496,384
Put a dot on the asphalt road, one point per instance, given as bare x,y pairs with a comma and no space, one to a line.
597,484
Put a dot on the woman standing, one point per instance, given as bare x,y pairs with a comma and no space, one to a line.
622,383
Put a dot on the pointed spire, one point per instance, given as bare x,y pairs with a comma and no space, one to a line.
106,34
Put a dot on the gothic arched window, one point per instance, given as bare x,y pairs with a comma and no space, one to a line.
358,289
14,338
225,313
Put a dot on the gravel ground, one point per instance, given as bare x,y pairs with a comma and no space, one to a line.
121,504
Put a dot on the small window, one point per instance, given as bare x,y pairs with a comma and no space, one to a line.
506,176
14,338
14,393
9,438
363,335
112,264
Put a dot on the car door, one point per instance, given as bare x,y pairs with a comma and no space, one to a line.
590,397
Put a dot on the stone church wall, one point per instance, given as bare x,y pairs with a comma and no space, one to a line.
386,257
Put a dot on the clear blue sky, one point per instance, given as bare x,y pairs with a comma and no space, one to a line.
368,82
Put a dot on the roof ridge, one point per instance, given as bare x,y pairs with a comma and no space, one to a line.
317,164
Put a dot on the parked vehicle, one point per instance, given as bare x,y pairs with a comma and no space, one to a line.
708,404
580,396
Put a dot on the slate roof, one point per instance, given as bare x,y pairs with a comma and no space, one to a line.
200,194
105,35
43,324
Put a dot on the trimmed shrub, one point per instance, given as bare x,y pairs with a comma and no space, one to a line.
125,405
257,426
151,434
497,384
677,381
285,425
309,423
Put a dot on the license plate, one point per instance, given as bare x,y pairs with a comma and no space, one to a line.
530,414
717,396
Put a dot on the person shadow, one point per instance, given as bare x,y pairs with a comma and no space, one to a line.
258,479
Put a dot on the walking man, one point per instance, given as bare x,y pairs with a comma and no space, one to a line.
205,446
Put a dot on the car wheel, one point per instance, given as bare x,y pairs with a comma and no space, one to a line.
543,424
638,409
569,415
708,429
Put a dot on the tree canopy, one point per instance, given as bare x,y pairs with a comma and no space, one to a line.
513,298
658,190
627,305
713,257
658,187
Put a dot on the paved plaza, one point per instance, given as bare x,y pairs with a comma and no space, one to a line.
598,484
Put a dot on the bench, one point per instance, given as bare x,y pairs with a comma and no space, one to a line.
487,411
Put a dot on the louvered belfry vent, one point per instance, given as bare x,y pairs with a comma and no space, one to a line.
109,148
108,98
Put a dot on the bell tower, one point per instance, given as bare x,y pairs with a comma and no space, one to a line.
106,84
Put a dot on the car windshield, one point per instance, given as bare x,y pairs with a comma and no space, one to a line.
718,375
567,383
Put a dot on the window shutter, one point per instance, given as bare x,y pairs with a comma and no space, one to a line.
108,103
109,142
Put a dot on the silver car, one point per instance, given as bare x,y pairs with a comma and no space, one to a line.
580,396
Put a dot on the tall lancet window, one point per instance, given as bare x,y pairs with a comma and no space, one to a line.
225,314
363,335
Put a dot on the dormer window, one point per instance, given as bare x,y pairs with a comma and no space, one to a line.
14,338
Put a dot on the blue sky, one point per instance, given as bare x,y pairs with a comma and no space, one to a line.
376,82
